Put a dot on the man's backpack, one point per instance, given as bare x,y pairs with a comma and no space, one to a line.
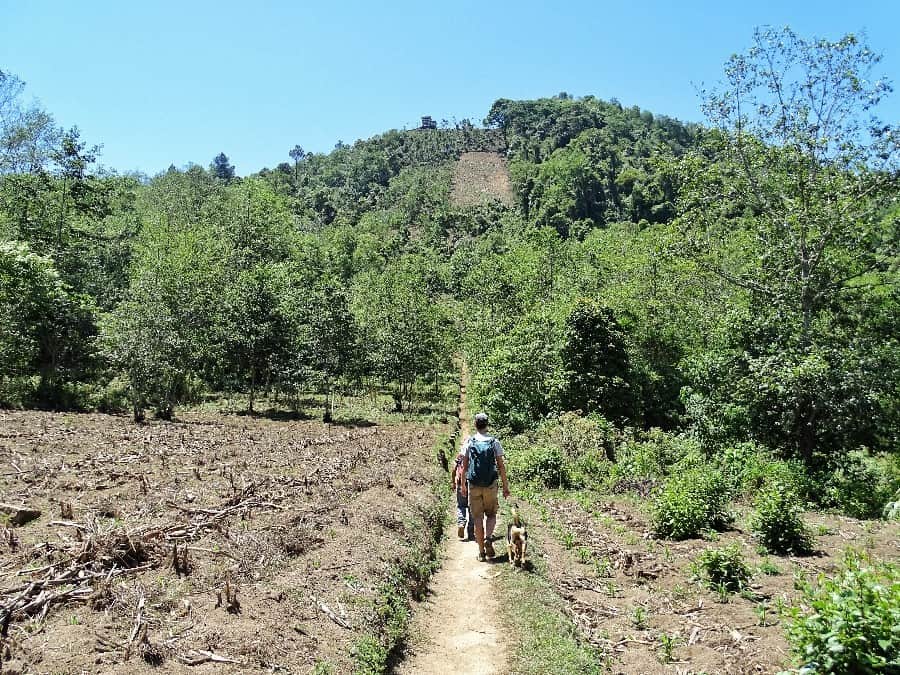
482,462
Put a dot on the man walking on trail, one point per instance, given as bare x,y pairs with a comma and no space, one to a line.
482,461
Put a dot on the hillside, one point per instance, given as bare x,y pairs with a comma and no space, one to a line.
685,335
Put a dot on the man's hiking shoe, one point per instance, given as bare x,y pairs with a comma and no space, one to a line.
460,531
481,556
471,536
489,549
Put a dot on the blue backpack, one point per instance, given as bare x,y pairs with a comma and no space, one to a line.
482,462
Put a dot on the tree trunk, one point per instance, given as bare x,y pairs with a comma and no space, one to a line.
252,388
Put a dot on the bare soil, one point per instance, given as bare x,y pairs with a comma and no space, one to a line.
282,531
625,590
481,178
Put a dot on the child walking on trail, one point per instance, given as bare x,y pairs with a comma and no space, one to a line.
482,464
462,503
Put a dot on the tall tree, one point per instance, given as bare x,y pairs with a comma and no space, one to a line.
789,199
221,168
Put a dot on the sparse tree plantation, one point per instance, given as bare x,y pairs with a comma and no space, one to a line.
687,335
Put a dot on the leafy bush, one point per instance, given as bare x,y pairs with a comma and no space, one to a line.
723,568
517,380
749,466
744,466
541,465
113,396
778,521
653,453
860,485
848,624
692,501
892,508
578,435
587,443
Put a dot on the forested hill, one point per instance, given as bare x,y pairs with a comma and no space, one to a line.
733,283
571,160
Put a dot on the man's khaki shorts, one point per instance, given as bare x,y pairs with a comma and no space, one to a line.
483,501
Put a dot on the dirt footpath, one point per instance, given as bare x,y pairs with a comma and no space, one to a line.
457,628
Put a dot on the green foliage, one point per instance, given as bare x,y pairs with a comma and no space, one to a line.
144,340
538,465
47,328
595,362
723,568
518,380
848,623
748,467
654,454
778,521
789,199
667,645
860,485
588,443
402,325
691,501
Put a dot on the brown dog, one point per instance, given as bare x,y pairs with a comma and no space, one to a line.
516,539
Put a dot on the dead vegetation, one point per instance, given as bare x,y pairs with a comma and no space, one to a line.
481,178
253,544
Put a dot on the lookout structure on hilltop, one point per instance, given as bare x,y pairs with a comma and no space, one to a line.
428,123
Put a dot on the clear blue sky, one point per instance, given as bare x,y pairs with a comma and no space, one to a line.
160,83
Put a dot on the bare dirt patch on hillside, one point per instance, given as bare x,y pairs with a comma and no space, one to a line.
629,594
252,544
480,178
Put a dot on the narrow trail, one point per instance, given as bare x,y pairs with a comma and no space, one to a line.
457,628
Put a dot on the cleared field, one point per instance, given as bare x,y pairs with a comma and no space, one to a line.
254,544
636,600
480,178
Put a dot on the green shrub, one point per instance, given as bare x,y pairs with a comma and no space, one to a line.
541,465
849,623
791,472
692,501
652,454
578,435
586,442
744,466
113,396
778,521
892,509
723,568
860,485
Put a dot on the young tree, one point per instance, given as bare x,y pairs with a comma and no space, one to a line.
255,333
804,172
142,338
596,367
789,199
402,324
333,346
